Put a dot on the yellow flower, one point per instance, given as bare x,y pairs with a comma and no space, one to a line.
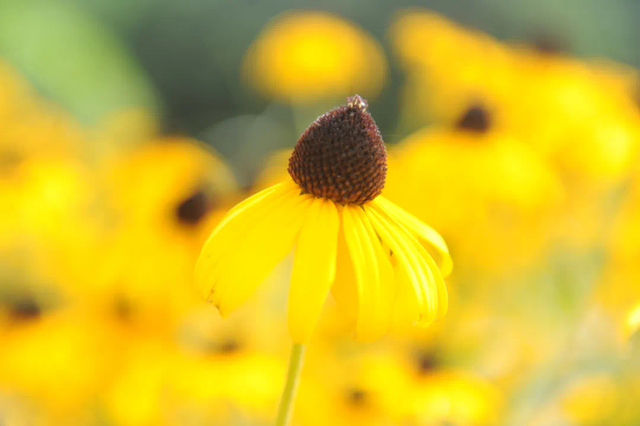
453,397
508,190
448,65
61,362
348,239
205,369
310,56
170,184
361,388
135,396
226,386
578,114
165,198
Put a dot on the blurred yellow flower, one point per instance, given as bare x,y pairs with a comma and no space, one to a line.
346,236
226,386
304,57
453,397
136,396
171,184
508,190
448,66
165,197
62,361
366,388
578,114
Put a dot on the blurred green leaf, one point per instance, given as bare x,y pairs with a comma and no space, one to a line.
73,58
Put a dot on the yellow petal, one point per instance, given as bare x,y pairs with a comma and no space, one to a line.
416,275
254,258
314,268
344,288
232,229
426,233
437,296
246,262
374,275
438,277
407,309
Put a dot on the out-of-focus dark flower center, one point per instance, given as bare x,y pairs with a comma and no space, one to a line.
228,346
426,361
357,396
194,208
25,309
475,119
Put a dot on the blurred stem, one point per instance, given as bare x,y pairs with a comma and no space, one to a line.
285,410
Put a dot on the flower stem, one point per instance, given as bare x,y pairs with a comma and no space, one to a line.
285,410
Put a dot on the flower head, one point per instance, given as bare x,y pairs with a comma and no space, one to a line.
305,57
341,157
383,265
496,174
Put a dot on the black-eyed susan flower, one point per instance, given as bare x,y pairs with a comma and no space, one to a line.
165,197
361,388
509,191
383,264
440,80
578,114
80,356
304,57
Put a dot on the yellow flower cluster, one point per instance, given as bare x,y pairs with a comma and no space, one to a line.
525,160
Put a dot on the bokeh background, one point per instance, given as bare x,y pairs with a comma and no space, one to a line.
128,128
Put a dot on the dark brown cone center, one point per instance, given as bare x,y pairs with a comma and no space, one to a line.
341,156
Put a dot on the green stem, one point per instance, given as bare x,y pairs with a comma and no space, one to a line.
285,410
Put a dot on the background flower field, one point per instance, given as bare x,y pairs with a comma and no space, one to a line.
128,129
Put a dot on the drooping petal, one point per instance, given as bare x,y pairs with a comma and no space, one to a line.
435,243
416,277
373,272
232,229
344,289
257,240
437,295
407,310
254,259
314,268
